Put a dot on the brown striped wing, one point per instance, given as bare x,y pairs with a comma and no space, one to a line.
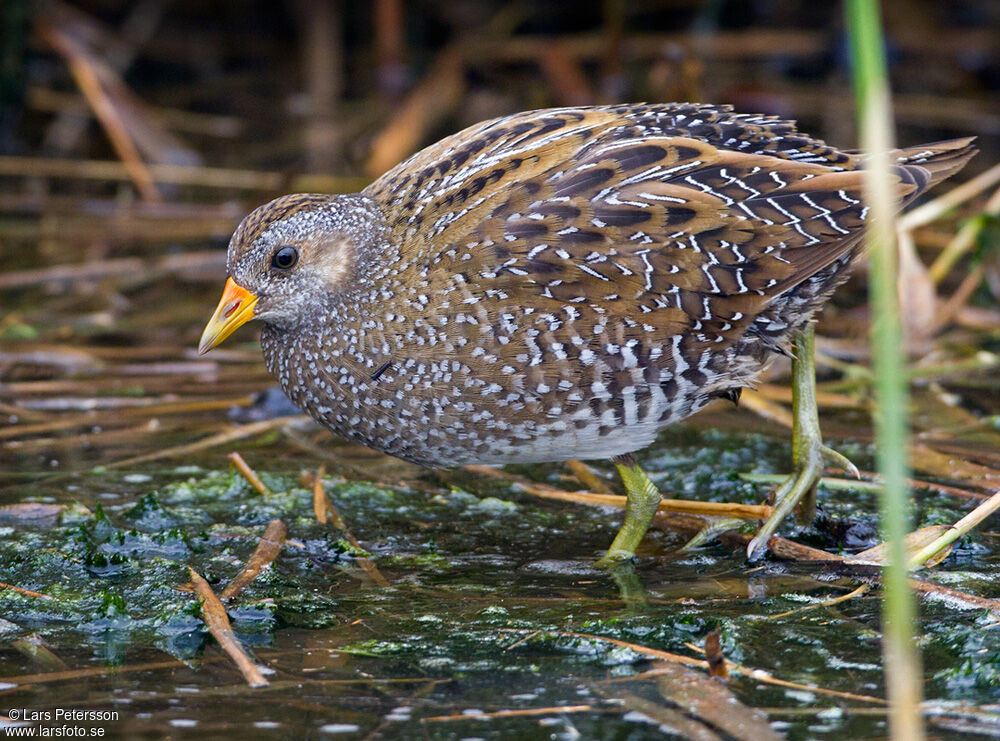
581,222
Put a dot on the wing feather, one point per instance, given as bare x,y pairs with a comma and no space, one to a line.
568,229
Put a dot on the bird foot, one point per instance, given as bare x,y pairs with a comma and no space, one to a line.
799,487
712,531
839,460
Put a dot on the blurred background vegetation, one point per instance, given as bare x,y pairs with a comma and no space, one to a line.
350,88
134,136
155,125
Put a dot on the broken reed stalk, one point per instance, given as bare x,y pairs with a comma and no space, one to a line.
868,482
766,408
713,654
963,241
712,703
959,298
951,534
582,473
264,554
81,67
427,103
237,462
791,551
240,432
823,399
679,506
96,270
320,503
215,125
191,175
933,210
217,622
871,86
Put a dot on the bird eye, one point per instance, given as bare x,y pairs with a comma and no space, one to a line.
285,257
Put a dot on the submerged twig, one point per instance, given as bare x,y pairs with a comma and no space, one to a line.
366,564
870,482
828,482
681,506
949,594
94,671
644,650
25,592
35,649
714,703
825,603
267,550
688,728
527,712
758,674
954,491
214,615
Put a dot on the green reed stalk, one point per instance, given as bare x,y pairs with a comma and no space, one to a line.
871,86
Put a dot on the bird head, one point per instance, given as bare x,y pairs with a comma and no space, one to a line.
287,258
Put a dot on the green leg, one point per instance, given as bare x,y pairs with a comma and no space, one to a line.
808,451
643,501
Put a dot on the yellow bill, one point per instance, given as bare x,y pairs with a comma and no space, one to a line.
236,308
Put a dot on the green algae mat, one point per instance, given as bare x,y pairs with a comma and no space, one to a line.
493,623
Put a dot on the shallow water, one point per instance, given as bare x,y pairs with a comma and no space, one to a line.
485,580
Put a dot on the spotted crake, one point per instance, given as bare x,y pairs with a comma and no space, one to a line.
559,283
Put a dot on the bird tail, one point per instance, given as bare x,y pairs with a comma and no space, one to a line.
928,164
